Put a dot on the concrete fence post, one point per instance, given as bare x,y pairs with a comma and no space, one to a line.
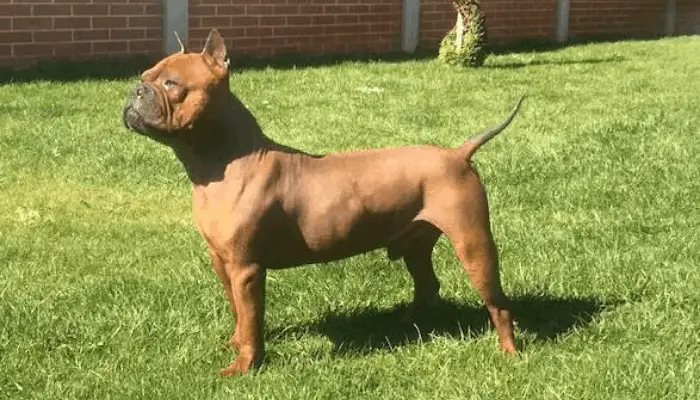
175,14
563,10
410,27
670,28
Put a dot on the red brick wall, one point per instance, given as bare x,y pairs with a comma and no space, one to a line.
629,17
44,29
688,14
312,26
506,20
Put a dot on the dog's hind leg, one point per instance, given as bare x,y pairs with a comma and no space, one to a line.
417,255
479,257
470,233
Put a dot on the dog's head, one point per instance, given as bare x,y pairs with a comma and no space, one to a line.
177,93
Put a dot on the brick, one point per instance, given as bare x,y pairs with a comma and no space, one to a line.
71,23
323,39
153,9
5,24
249,21
431,16
230,10
109,22
261,10
126,9
380,8
347,18
373,18
51,9
131,33
258,31
345,29
309,48
297,40
334,48
270,42
244,43
211,1
383,27
230,33
22,62
299,20
72,49
284,49
33,49
154,33
273,21
297,30
286,10
110,47
305,9
92,34
217,22
144,21
194,43
358,9
148,45
194,22
52,36
90,10
15,10
337,9
358,38
5,50
199,33
199,11
323,19
31,23
15,37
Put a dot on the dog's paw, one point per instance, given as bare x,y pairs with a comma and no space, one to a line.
508,347
242,364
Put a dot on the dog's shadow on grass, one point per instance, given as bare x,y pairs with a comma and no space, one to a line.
371,329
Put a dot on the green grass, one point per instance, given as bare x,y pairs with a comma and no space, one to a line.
106,289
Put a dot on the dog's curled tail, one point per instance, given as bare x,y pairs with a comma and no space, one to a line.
472,144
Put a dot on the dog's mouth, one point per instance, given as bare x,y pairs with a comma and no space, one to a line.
132,119
143,112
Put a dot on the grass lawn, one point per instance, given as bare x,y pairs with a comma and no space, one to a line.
106,290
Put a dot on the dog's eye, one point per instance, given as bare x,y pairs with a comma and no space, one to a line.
169,83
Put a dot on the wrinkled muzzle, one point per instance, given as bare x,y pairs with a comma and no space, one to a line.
142,112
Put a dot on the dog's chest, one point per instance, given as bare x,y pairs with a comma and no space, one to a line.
214,210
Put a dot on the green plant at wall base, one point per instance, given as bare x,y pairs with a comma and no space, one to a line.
465,44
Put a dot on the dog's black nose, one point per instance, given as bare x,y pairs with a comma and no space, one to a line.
141,90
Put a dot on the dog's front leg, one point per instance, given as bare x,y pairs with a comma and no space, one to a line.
221,272
248,289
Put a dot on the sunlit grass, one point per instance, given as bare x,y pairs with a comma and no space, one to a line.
106,289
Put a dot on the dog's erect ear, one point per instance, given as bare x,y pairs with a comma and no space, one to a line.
216,48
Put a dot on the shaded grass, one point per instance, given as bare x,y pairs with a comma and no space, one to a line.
106,290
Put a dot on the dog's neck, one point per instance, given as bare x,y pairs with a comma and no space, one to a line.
224,135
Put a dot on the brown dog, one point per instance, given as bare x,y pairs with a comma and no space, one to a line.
262,205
